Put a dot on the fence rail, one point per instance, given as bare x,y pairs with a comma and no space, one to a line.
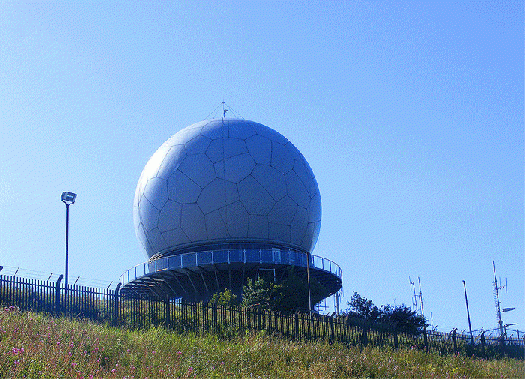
141,312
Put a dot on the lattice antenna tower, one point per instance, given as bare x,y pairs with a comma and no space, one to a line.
497,302
417,299
420,296
414,297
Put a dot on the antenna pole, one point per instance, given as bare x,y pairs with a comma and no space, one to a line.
497,305
420,295
414,299
468,314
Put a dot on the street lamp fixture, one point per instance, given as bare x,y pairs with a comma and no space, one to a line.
67,198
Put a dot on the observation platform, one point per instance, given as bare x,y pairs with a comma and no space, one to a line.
195,276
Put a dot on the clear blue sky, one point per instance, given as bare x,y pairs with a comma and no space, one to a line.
409,113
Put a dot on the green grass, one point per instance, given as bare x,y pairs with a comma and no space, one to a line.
40,346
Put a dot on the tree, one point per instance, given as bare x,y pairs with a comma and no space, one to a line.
400,318
225,298
289,296
258,293
403,319
361,307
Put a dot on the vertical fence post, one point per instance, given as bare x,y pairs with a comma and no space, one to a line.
57,294
396,339
167,313
454,341
483,342
332,332
296,326
425,339
116,312
364,336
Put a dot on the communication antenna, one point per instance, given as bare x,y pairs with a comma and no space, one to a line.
420,295
414,298
417,299
497,303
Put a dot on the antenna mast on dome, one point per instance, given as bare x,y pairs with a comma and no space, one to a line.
224,110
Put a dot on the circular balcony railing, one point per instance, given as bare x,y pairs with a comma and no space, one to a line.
217,257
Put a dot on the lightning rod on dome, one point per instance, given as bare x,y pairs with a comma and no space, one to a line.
224,110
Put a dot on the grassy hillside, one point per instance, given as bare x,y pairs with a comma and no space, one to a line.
38,346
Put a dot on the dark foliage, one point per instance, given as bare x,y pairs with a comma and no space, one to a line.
399,318
403,319
287,297
362,308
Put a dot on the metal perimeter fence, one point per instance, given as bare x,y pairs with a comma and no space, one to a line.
139,312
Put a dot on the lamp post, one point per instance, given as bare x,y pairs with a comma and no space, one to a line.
67,198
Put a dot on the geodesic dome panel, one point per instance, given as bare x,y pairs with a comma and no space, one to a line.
226,181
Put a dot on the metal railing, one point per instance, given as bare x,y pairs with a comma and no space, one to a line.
214,257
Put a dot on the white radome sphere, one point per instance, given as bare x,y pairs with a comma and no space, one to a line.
226,181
